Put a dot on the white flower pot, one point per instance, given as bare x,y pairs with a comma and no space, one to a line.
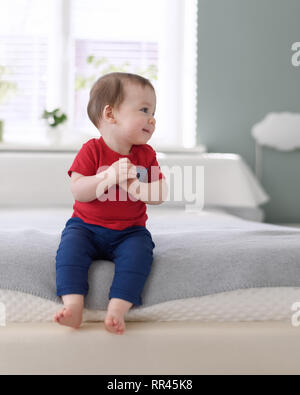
54,135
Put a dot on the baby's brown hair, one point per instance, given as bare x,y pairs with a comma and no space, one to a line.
109,90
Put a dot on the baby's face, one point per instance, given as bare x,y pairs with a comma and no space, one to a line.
135,117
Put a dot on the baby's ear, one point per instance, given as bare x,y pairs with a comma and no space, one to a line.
108,114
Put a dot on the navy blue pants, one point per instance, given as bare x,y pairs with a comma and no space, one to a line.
130,249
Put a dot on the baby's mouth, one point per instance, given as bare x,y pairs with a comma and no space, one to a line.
146,130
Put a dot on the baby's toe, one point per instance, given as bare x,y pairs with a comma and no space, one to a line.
120,327
57,316
109,322
61,314
116,322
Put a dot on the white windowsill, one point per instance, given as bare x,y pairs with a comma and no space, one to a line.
15,147
74,147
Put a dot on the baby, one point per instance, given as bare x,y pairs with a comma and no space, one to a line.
122,107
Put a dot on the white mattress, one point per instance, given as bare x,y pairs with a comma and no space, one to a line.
255,304
259,304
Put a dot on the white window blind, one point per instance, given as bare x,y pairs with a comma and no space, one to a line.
23,54
55,49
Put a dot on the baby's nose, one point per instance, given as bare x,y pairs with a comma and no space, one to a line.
152,121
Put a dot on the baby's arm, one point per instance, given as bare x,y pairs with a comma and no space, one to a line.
89,188
86,188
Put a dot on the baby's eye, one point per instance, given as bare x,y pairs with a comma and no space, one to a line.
146,110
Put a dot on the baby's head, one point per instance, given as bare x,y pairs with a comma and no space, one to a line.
125,104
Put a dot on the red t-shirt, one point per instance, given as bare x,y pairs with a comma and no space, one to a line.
94,157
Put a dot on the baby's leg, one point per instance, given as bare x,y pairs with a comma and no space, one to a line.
71,314
73,259
133,258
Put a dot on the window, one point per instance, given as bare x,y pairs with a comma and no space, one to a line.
67,44
23,58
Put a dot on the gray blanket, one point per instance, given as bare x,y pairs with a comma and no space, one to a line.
195,255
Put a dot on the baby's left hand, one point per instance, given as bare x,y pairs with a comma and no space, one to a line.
132,185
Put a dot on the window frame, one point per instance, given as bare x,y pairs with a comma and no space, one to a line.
178,102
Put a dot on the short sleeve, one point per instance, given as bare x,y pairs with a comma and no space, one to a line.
85,161
154,170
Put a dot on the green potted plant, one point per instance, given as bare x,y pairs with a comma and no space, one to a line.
54,120
7,88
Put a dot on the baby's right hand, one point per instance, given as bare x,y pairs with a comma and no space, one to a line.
122,170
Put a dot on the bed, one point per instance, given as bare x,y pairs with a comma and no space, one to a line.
244,331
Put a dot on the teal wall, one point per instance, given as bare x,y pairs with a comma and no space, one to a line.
245,72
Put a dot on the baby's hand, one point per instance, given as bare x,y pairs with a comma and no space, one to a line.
132,186
122,170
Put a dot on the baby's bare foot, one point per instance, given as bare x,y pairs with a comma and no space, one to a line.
70,315
114,320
